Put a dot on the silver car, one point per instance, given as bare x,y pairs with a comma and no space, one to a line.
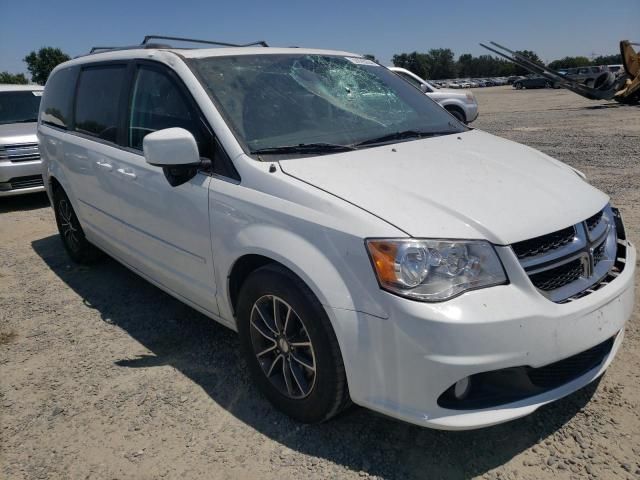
20,164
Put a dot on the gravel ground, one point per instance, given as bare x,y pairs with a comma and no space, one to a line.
104,376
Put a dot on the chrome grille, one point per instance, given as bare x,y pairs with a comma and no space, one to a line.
24,152
544,243
26,182
554,278
573,262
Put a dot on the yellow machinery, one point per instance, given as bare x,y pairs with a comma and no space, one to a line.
624,88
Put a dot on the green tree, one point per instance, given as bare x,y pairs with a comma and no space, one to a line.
530,55
441,63
569,62
41,63
13,78
415,62
615,59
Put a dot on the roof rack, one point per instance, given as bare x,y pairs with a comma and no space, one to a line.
147,44
208,42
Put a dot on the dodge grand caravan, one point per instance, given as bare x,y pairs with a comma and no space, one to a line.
20,165
366,245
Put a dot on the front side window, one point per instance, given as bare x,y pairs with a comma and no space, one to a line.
271,101
157,103
58,96
19,107
411,80
97,101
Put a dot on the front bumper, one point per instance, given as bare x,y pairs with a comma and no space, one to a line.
17,178
471,112
400,366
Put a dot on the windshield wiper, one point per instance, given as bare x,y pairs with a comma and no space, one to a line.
401,136
303,148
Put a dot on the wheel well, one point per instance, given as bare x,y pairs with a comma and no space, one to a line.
457,109
55,184
241,270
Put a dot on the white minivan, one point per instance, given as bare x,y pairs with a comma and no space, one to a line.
366,246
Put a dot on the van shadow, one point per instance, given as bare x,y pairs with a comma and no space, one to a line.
31,201
207,353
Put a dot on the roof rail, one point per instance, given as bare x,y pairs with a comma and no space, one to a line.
208,42
147,44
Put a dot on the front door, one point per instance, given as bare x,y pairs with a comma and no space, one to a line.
166,229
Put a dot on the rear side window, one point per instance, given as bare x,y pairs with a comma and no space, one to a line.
56,103
158,103
97,101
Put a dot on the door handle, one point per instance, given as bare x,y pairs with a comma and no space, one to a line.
106,166
127,173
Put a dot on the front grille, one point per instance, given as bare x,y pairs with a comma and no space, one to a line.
26,182
544,243
593,221
555,374
598,253
24,152
558,277
570,263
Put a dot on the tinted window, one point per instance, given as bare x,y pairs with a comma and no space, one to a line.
410,79
56,103
157,103
19,107
97,101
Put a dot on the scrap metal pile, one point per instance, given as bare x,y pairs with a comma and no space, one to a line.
624,88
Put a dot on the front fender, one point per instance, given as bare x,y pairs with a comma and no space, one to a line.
337,270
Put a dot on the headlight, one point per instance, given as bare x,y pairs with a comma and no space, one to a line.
434,270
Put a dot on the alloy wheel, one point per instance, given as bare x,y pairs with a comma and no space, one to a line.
68,224
282,345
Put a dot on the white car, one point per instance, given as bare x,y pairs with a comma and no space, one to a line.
463,106
20,165
367,247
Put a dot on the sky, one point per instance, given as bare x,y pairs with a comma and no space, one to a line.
553,29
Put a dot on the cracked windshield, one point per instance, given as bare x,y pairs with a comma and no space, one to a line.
296,104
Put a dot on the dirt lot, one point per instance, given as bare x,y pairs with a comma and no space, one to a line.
104,376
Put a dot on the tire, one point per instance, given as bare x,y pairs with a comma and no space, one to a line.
518,86
311,395
547,85
71,233
458,114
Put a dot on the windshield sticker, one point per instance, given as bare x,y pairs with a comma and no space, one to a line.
362,61
37,94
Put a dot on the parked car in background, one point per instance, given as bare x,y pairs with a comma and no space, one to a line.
514,78
20,165
463,106
533,81
365,245
586,75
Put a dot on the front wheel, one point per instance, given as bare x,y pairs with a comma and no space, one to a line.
290,347
518,86
73,238
457,113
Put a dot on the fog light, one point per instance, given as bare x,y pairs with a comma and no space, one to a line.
461,388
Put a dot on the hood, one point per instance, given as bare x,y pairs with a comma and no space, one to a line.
465,186
14,133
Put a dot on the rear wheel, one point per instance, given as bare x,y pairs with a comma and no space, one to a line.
518,85
71,233
290,347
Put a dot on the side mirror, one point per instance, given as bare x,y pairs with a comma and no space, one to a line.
176,151
424,88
